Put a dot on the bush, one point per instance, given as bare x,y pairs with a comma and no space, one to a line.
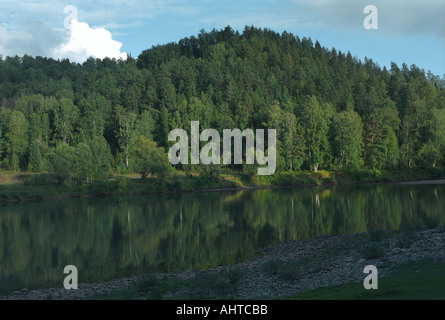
430,223
147,158
236,275
146,284
289,270
376,235
372,250
39,180
176,183
223,283
219,283
103,187
406,239
150,288
272,266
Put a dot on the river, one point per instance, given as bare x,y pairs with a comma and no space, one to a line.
108,238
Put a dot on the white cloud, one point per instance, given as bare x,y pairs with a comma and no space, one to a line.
31,38
84,41
36,29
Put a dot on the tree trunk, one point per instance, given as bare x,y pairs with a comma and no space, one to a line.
126,156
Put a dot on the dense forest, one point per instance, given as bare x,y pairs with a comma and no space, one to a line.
331,110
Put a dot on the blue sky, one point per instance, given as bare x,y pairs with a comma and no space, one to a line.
408,31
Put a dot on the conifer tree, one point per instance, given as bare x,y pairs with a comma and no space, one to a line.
35,157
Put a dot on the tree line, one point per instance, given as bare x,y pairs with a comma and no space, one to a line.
331,110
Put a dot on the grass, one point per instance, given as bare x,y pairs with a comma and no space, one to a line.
221,285
148,288
406,239
7,177
424,280
22,186
291,270
21,192
41,186
204,284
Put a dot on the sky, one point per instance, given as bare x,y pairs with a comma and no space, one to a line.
404,31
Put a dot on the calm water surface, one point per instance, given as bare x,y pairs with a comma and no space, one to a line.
110,238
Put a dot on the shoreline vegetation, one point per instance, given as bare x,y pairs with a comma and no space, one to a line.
16,187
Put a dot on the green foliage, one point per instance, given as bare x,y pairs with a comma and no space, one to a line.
372,250
35,157
96,115
2,144
290,139
406,239
66,116
17,138
60,162
235,275
149,287
218,284
101,158
285,270
330,110
145,125
176,183
163,127
211,171
347,130
40,179
376,235
438,136
316,121
82,165
147,158
289,271
415,280
125,130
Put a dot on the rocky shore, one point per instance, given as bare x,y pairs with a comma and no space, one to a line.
322,261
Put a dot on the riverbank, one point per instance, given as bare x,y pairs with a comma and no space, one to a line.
438,181
30,187
280,271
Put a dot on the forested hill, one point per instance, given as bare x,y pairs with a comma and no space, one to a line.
331,110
